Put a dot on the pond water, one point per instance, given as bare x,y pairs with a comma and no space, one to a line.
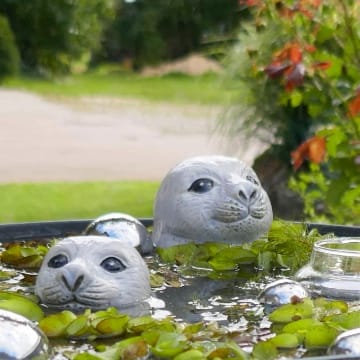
188,294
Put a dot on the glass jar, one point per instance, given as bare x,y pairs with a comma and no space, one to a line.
334,269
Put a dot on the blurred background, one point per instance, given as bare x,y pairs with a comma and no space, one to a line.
100,98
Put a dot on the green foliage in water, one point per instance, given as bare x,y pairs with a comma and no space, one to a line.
275,252
165,338
287,246
109,334
21,305
311,324
24,256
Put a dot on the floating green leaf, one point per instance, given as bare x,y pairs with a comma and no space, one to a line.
6,275
55,325
140,324
319,336
227,350
300,327
192,354
285,341
24,256
230,258
78,328
291,312
180,254
264,350
346,321
20,305
169,344
325,307
274,252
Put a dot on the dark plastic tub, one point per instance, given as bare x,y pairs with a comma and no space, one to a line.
50,229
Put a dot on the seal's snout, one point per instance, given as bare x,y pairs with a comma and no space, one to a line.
72,286
72,279
247,193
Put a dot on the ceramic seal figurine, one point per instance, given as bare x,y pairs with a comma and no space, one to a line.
94,272
210,198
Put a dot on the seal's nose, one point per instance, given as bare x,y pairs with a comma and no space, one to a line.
72,279
247,193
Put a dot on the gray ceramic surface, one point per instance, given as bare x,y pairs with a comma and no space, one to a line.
94,272
210,198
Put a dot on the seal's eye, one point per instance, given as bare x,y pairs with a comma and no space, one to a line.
113,264
252,179
201,186
58,261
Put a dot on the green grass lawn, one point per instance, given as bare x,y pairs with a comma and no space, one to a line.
173,88
64,201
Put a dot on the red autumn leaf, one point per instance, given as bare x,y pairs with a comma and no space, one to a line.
276,69
295,53
313,149
310,48
354,105
313,3
294,77
249,3
322,65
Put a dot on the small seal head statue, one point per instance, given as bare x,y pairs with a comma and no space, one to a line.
94,272
210,198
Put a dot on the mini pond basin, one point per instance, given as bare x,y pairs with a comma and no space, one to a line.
188,294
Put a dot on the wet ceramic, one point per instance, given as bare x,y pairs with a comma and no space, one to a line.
210,198
94,272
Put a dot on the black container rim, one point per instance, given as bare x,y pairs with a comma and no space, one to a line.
61,228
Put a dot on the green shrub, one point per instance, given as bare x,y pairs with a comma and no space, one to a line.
296,69
52,35
9,55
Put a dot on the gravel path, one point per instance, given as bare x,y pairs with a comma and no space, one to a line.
102,138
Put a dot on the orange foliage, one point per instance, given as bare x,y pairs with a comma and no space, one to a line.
288,63
354,105
313,149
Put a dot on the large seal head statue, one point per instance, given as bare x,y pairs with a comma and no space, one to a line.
210,198
94,272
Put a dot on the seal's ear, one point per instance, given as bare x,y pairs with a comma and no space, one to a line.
201,185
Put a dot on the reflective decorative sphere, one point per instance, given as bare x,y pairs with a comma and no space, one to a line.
280,292
123,227
20,338
347,342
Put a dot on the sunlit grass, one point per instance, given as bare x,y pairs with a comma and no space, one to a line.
176,88
64,201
